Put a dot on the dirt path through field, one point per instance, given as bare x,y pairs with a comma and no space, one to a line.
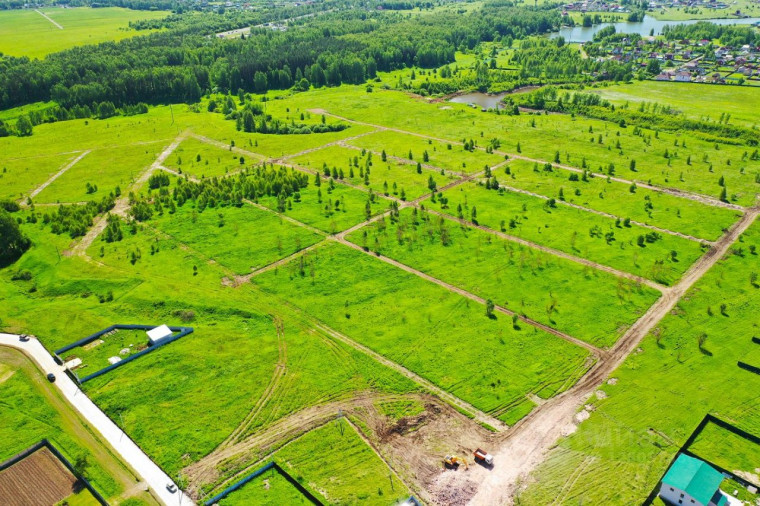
57,174
48,18
122,204
526,444
703,199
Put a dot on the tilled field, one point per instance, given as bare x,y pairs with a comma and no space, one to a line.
38,480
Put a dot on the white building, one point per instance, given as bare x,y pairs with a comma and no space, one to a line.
157,334
692,482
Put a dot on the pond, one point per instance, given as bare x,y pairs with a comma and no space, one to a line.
482,100
581,34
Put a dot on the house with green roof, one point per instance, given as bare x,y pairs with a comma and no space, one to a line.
692,482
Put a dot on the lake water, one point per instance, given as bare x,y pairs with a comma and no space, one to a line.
581,34
482,100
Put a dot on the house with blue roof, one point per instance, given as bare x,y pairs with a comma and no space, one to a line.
692,482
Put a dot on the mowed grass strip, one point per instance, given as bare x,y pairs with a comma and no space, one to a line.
240,238
660,257
587,303
103,170
452,157
441,336
391,178
20,176
330,209
626,201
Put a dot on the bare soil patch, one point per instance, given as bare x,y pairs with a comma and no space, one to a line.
38,480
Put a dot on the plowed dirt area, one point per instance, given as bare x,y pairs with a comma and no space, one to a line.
38,480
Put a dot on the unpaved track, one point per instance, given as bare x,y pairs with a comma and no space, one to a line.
57,174
607,215
122,204
265,441
46,17
464,293
555,252
703,199
526,444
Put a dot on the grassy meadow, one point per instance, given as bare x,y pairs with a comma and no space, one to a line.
27,33
431,331
551,290
662,392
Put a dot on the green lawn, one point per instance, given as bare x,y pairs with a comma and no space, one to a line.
335,461
575,231
662,392
429,330
20,176
586,303
269,489
694,101
27,33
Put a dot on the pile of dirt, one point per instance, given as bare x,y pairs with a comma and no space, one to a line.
453,488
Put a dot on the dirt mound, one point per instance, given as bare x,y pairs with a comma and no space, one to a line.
453,488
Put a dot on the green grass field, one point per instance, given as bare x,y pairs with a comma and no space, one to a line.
270,489
551,290
663,392
359,296
639,204
576,232
239,238
27,33
393,178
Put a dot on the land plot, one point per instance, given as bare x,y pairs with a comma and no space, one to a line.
697,166
20,176
656,399
626,201
334,460
39,478
27,33
101,172
95,356
240,238
589,304
200,159
330,209
269,489
390,178
697,102
659,257
431,331
452,157
729,451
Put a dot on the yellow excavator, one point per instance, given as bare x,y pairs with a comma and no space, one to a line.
453,462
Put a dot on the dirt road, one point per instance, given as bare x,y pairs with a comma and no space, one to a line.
58,174
526,444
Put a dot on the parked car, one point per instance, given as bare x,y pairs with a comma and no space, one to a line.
23,338
171,487
51,377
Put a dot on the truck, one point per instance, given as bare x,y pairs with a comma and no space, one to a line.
483,457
